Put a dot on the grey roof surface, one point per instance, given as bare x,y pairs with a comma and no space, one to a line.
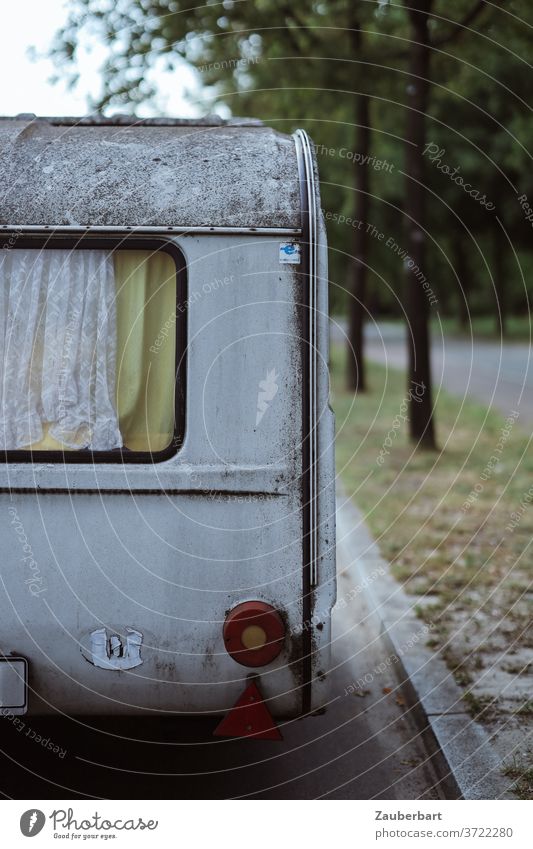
157,172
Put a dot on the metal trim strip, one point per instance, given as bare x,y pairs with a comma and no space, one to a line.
312,248
174,230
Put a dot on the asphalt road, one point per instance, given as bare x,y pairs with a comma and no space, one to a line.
364,746
498,376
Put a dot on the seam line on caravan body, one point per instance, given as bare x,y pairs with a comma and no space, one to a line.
212,493
176,230
176,475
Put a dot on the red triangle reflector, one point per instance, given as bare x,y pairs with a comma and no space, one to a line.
249,717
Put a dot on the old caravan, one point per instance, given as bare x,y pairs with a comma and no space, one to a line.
167,478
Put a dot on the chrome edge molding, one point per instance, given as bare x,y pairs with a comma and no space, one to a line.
304,150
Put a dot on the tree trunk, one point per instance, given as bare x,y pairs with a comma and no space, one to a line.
356,377
419,388
498,272
461,269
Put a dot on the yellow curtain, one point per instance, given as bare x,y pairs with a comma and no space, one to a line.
146,348
146,351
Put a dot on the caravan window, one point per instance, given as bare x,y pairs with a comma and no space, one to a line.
88,342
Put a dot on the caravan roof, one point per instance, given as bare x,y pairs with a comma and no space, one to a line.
126,172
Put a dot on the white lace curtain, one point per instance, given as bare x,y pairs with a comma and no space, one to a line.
58,347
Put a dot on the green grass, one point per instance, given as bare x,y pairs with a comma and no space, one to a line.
517,328
457,550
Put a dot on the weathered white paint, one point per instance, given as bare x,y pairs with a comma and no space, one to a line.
167,549
146,175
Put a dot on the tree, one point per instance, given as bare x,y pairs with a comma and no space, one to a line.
420,396
333,60
355,361
486,121
419,13
262,52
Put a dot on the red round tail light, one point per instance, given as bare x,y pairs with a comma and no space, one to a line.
254,633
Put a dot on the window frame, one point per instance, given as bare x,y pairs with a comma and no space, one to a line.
21,241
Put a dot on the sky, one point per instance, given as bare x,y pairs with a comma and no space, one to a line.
26,85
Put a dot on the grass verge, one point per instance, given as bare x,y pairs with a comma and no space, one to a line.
456,525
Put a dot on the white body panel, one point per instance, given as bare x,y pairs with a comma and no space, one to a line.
167,549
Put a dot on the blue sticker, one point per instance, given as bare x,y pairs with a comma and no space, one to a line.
290,252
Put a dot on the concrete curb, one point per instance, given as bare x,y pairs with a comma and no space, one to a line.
460,748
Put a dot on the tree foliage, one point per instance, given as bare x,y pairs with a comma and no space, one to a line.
309,65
